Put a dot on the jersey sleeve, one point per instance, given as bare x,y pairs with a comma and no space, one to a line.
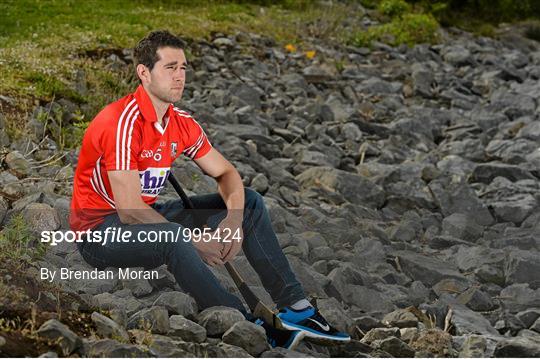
197,143
120,142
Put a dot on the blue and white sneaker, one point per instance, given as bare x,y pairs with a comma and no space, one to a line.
312,324
287,339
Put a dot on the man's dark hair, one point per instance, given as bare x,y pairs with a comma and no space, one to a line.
146,50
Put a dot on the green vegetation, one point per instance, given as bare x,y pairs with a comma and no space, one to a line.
404,27
457,12
18,243
52,49
394,7
47,45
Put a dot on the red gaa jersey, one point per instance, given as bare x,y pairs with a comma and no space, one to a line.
125,135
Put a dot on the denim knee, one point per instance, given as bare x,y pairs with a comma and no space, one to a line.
173,243
253,199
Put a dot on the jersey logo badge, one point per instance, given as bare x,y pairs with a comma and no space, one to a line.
174,147
153,180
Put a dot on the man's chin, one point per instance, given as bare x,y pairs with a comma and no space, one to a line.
175,98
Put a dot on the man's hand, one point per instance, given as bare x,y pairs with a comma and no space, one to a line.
231,226
210,252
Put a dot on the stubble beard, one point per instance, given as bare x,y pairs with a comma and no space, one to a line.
168,97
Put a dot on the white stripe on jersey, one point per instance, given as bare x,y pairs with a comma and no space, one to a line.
118,129
192,150
125,151
129,138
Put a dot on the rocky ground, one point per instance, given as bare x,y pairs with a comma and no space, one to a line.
403,184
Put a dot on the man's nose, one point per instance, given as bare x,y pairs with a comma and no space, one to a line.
179,75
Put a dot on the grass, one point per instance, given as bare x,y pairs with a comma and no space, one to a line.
45,43
18,243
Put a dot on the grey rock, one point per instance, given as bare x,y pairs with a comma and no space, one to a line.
312,281
53,330
139,287
400,318
519,347
514,208
375,85
466,321
167,347
486,172
109,328
394,346
109,348
41,217
49,354
450,286
224,350
333,311
423,81
119,315
510,151
459,197
163,346
316,74
457,55
535,326
186,329
154,318
473,347
89,286
109,301
279,352
468,258
223,42
519,297
217,320
165,279
246,94
17,163
426,269
247,335
523,267
356,189
260,183
178,303
462,226
528,316
366,323
476,300
380,334
509,324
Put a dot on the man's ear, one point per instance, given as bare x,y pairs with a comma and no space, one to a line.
144,73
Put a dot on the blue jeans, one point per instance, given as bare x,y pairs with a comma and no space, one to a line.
260,246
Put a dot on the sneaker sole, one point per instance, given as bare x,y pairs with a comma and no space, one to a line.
297,339
315,335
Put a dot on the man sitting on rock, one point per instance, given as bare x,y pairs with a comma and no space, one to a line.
124,161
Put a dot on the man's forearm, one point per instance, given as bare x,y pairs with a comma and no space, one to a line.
142,214
231,189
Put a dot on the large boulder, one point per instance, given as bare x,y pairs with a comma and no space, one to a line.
217,320
247,335
156,319
177,303
186,329
55,331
